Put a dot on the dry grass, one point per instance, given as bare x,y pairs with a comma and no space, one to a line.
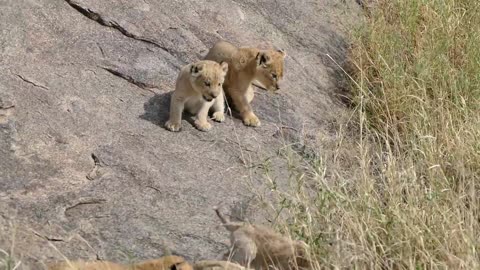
413,200
7,262
7,259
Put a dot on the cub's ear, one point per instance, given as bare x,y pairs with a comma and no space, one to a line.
283,52
263,59
195,70
224,66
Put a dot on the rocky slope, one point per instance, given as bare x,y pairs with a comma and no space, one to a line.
86,168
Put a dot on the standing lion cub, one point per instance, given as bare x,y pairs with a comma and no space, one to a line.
198,88
247,65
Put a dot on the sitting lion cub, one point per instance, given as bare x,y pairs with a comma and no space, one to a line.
163,263
198,88
247,65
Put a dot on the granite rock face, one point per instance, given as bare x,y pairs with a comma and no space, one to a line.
87,169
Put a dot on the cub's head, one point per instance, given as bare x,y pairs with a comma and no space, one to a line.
270,68
207,78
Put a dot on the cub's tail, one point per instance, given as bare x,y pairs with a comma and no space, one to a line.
229,225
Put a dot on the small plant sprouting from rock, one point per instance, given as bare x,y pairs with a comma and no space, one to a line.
7,262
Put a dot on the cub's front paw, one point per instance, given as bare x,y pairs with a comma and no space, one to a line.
173,126
218,116
251,120
203,126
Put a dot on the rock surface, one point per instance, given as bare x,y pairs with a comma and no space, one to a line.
87,169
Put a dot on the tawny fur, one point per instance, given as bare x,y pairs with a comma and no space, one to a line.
81,265
163,263
246,65
259,247
198,89
217,265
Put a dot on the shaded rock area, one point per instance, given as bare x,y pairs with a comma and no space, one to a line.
87,169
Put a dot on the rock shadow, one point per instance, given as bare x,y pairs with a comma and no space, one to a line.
339,66
157,109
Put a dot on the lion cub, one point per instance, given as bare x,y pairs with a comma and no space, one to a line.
217,265
163,263
245,66
198,88
259,247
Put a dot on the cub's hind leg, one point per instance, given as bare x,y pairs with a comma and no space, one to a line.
244,249
177,105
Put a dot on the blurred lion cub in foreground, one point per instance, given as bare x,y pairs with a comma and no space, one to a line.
259,247
163,263
217,265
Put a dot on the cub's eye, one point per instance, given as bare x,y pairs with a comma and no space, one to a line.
207,84
219,84
274,76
